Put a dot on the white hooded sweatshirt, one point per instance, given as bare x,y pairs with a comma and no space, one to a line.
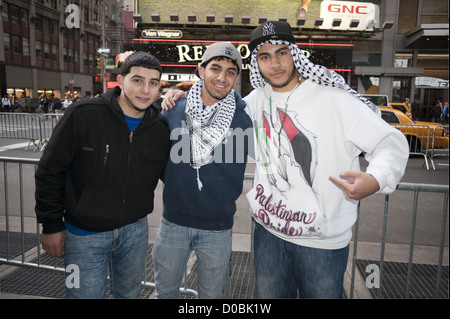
301,138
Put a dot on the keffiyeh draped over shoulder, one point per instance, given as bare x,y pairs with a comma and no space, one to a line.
208,126
308,70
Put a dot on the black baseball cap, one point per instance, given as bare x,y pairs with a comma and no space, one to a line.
276,30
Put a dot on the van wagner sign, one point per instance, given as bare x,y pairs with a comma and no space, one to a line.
161,34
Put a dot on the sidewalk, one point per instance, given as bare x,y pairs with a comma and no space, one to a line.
44,284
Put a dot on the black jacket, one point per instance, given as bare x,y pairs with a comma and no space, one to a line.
97,174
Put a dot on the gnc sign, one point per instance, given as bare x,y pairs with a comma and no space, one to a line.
367,14
346,8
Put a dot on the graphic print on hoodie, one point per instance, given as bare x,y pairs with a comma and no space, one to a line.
283,198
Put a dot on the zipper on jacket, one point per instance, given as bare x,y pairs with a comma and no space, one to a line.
130,137
105,159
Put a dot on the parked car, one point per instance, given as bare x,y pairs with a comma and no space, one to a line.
401,107
383,101
378,99
419,134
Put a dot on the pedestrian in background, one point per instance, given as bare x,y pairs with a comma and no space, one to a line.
6,103
445,114
436,112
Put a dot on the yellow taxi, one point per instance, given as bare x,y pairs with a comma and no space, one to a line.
419,134
401,107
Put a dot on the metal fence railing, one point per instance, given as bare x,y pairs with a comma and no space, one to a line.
440,144
415,189
29,254
33,127
20,203
426,141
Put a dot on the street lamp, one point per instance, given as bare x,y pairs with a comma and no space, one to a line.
228,18
155,17
192,17
301,21
210,18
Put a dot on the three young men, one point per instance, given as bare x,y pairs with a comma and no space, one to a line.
309,128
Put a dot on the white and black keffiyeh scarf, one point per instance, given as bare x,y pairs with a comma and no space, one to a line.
308,70
208,126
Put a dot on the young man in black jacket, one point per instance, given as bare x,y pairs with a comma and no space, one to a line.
96,179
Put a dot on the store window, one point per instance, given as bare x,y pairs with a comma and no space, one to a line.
26,46
14,14
24,18
368,84
5,15
435,65
16,44
434,11
407,16
401,89
6,42
39,49
54,52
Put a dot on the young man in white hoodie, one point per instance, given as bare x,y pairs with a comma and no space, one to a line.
310,128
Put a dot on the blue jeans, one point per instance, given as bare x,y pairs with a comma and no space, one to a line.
119,253
282,267
171,251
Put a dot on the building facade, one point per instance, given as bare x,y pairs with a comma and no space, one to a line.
50,47
397,48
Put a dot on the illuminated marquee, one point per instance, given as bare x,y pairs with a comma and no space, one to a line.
188,53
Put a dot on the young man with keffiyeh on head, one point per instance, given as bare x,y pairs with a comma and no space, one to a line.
204,176
310,127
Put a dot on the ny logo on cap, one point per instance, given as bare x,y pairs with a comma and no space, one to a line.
268,29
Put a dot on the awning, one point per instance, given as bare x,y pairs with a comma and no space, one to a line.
428,36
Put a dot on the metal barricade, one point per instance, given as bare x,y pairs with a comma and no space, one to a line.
426,141
419,137
415,189
19,221
49,121
440,145
32,127
22,126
